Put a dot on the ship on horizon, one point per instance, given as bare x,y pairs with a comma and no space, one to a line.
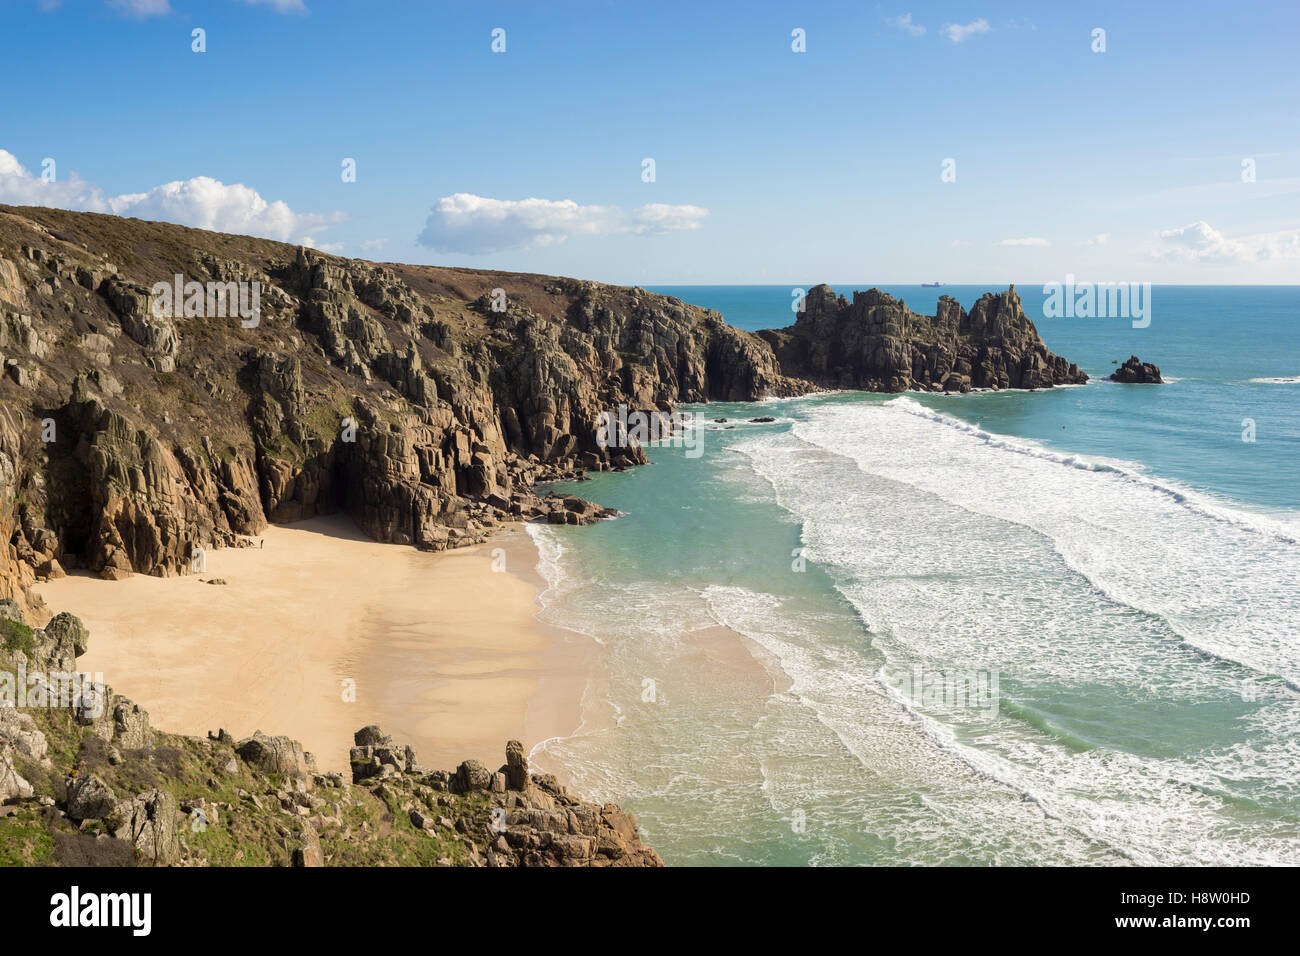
931,285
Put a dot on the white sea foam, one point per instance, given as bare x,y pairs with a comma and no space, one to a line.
1286,530
1088,586
833,681
1285,380
1104,597
1227,581
550,554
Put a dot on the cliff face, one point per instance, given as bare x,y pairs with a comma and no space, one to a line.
878,344
424,402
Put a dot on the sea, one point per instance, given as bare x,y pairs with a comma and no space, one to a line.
1000,628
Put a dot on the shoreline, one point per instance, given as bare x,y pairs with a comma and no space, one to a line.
460,686
444,649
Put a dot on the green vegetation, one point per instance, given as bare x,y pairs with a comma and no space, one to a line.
17,637
24,840
324,420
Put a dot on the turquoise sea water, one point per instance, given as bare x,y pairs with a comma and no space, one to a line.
1108,573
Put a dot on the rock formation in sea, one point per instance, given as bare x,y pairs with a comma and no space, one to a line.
86,780
877,343
1137,372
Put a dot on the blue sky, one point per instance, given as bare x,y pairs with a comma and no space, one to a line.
771,166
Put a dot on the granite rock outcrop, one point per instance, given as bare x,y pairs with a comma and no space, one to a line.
425,403
1136,372
876,343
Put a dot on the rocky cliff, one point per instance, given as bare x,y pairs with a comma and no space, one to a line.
424,402
85,780
878,344
139,429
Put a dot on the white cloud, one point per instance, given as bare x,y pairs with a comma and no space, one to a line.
1201,242
281,6
957,32
657,218
18,187
142,8
202,202
905,23
1098,240
478,225
331,247
373,245
209,204
1027,241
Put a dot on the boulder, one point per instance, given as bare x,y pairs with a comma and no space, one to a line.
89,798
516,766
306,851
472,775
149,823
1136,372
422,819
131,725
12,783
19,731
274,754
68,631
371,736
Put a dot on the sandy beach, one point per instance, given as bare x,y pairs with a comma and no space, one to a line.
443,650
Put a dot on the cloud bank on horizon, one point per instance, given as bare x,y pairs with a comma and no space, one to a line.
476,225
1201,242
